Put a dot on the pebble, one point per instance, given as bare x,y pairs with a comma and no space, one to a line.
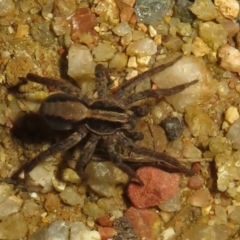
83,22
198,121
103,178
103,51
153,193
199,47
126,14
230,58
234,216
145,222
91,209
141,48
80,61
14,227
213,34
190,151
52,202
105,221
11,205
5,191
204,10
119,61
200,198
173,127
231,114
22,31
122,29
195,182
71,197
62,230
186,70
7,8
30,208
106,232
228,8
233,134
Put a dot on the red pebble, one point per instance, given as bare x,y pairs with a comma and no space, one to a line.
106,232
105,221
195,182
159,186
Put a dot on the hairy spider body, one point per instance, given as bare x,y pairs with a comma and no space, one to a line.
111,118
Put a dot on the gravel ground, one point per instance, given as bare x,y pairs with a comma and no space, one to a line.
199,126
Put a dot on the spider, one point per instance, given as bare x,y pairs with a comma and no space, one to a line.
110,118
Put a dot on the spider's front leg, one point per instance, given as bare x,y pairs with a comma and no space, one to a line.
113,151
62,146
61,85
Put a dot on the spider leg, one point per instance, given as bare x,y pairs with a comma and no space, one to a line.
164,160
153,93
58,84
102,80
132,83
86,155
113,151
62,146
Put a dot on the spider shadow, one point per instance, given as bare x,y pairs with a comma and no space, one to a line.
30,132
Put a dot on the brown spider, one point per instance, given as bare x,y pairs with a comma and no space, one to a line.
111,118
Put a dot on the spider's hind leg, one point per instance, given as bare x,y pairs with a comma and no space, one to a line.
163,160
113,151
86,155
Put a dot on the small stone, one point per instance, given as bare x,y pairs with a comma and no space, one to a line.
11,205
141,48
14,227
198,121
103,52
200,198
204,10
199,47
71,197
83,22
168,233
190,151
228,8
230,58
105,221
80,61
7,7
145,222
184,29
213,34
122,29
70,175
30,208
103,178
152,31
195,182
52,202
231,115
108,11
132,62
106,232
5,191
235,216
233,134
126,14
173,127
119,61
93,210
152,193
58,230
22,31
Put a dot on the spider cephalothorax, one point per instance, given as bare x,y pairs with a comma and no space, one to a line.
111,118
